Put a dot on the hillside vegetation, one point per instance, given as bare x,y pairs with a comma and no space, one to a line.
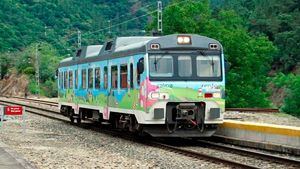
261,39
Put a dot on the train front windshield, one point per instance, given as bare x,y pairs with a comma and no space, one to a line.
184,67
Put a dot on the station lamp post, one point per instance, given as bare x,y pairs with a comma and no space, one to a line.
37,69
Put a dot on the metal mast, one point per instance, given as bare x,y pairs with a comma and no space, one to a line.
79,38
37,69
159,17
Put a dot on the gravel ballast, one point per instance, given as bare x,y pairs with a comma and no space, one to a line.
54,144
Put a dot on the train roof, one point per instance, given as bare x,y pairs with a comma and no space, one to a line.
127,43
126,46
85,52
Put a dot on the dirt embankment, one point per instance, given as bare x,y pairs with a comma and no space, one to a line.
14,85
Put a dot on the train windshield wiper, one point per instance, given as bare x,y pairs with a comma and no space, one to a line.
156,61
212,64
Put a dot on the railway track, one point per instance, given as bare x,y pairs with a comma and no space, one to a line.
256,110
254,154
198,155
44,102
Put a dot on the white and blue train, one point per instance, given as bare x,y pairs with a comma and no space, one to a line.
168,86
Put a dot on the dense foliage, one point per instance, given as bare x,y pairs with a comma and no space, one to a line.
23,22
250,56
291,83
277,19
53,26
25,62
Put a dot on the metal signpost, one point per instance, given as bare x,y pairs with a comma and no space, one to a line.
17,111
1,115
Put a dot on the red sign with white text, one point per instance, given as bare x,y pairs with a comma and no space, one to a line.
13,110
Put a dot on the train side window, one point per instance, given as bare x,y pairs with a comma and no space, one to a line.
114,77
83,78
124,73
105,78
76,79
91,78
65,80
61,80
71,79
97,78
140,66
131,75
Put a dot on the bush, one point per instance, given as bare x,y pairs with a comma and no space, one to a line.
29,71
292,101
32,87
49,88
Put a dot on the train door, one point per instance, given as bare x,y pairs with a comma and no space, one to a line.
114,86
111,81
76,88
90,86
107,89
77,82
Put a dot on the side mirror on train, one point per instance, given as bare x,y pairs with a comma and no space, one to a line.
227,66
140,66
56,74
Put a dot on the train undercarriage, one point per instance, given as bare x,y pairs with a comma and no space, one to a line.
182,120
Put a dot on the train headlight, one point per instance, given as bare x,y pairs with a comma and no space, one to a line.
154,95
187,40
213,46
163,96
155,46
157,95
184,40
216,95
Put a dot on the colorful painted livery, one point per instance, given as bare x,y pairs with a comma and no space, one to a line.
168,86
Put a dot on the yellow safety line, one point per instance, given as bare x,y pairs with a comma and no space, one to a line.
261,127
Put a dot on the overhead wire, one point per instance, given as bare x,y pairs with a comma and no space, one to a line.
129,20
127,14
116,18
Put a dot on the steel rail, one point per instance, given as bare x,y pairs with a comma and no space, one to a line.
193,154
202,156
50,103
257,110
252,153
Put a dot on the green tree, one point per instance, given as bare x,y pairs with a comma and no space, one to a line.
277,19
291,102
5,64
249,55
291,85
48,61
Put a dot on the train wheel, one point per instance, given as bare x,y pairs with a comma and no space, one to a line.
71,115
75,119
78,120
72,119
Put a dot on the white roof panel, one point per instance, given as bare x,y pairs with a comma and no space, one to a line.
93,50
126,43
66,59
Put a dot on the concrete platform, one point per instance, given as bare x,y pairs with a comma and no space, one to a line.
285,137
9,159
